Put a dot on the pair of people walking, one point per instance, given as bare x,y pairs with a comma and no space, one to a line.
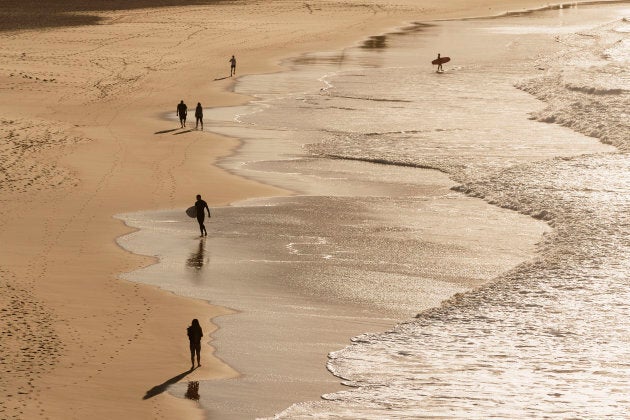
182,112
182,108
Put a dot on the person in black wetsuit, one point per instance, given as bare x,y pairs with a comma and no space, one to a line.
182,111
199,116
194,336
201,205
439,69
232,66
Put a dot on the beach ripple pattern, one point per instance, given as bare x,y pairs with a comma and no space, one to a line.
29,345
29,152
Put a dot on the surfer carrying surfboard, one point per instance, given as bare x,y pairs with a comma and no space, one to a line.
200,206
439,61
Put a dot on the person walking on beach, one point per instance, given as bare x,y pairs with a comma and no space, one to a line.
194,336
199,116
439,60
182,110
232,66
201,205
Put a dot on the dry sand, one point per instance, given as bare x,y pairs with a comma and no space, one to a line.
83,139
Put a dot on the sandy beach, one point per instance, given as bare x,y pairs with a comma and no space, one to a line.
85,139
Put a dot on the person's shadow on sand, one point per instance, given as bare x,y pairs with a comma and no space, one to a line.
158,389
166,131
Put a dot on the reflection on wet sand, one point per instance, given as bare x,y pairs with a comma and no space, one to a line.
198,258
412,28
320,58
375,42
192,393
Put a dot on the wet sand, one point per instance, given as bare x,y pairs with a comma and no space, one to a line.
83,141
292,307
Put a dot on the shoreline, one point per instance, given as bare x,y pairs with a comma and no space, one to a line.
289,64
216,391
52,400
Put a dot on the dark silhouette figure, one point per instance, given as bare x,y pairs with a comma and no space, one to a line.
182,111
232,66
439,69
194,336
199,116
201,206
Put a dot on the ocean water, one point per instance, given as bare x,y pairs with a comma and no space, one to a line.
518,119
412,186
550,338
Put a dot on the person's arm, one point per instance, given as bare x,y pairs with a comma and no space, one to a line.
208,208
